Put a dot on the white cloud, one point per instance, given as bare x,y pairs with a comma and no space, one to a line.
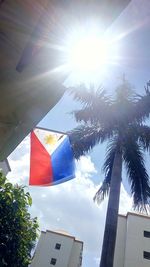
19,162
86,166
125,201
68,206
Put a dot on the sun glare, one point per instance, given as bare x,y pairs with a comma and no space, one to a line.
88,52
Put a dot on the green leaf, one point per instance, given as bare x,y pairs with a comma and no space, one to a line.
18,231
29,200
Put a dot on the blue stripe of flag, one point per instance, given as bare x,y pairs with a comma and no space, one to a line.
63,165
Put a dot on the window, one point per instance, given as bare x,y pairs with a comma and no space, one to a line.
53,261
146,255
147,234
57,246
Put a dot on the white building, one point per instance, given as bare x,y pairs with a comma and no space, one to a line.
57,249
133,241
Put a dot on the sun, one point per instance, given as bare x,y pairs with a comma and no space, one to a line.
89,52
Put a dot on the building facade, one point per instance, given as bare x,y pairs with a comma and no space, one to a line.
57,249
133,241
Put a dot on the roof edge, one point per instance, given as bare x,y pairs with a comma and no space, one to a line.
62,234
134,214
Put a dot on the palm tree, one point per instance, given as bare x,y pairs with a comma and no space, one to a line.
121,121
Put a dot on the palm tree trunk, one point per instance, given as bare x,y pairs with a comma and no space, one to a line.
109,240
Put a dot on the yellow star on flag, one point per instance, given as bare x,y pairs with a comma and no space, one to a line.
50,139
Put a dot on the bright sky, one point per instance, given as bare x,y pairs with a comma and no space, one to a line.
69,206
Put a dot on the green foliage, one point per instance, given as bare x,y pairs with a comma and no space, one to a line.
18,231
120,121
107,168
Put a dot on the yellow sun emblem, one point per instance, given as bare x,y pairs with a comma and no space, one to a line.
50,139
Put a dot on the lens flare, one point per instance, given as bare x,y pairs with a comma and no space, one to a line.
89,52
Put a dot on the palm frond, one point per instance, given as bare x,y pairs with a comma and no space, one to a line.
131,106
142,107
138,177
140,133
143,132
95,108
84,138
102,192
125,92
99,114
89,96
107,168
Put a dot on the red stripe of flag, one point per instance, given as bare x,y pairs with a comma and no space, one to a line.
40,163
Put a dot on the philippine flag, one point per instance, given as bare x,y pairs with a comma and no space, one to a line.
51,158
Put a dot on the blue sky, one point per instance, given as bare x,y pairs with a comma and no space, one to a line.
70,206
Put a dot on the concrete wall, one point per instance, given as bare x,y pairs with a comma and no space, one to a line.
76,255
120,242
67,256
130,242
26,99
136,243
